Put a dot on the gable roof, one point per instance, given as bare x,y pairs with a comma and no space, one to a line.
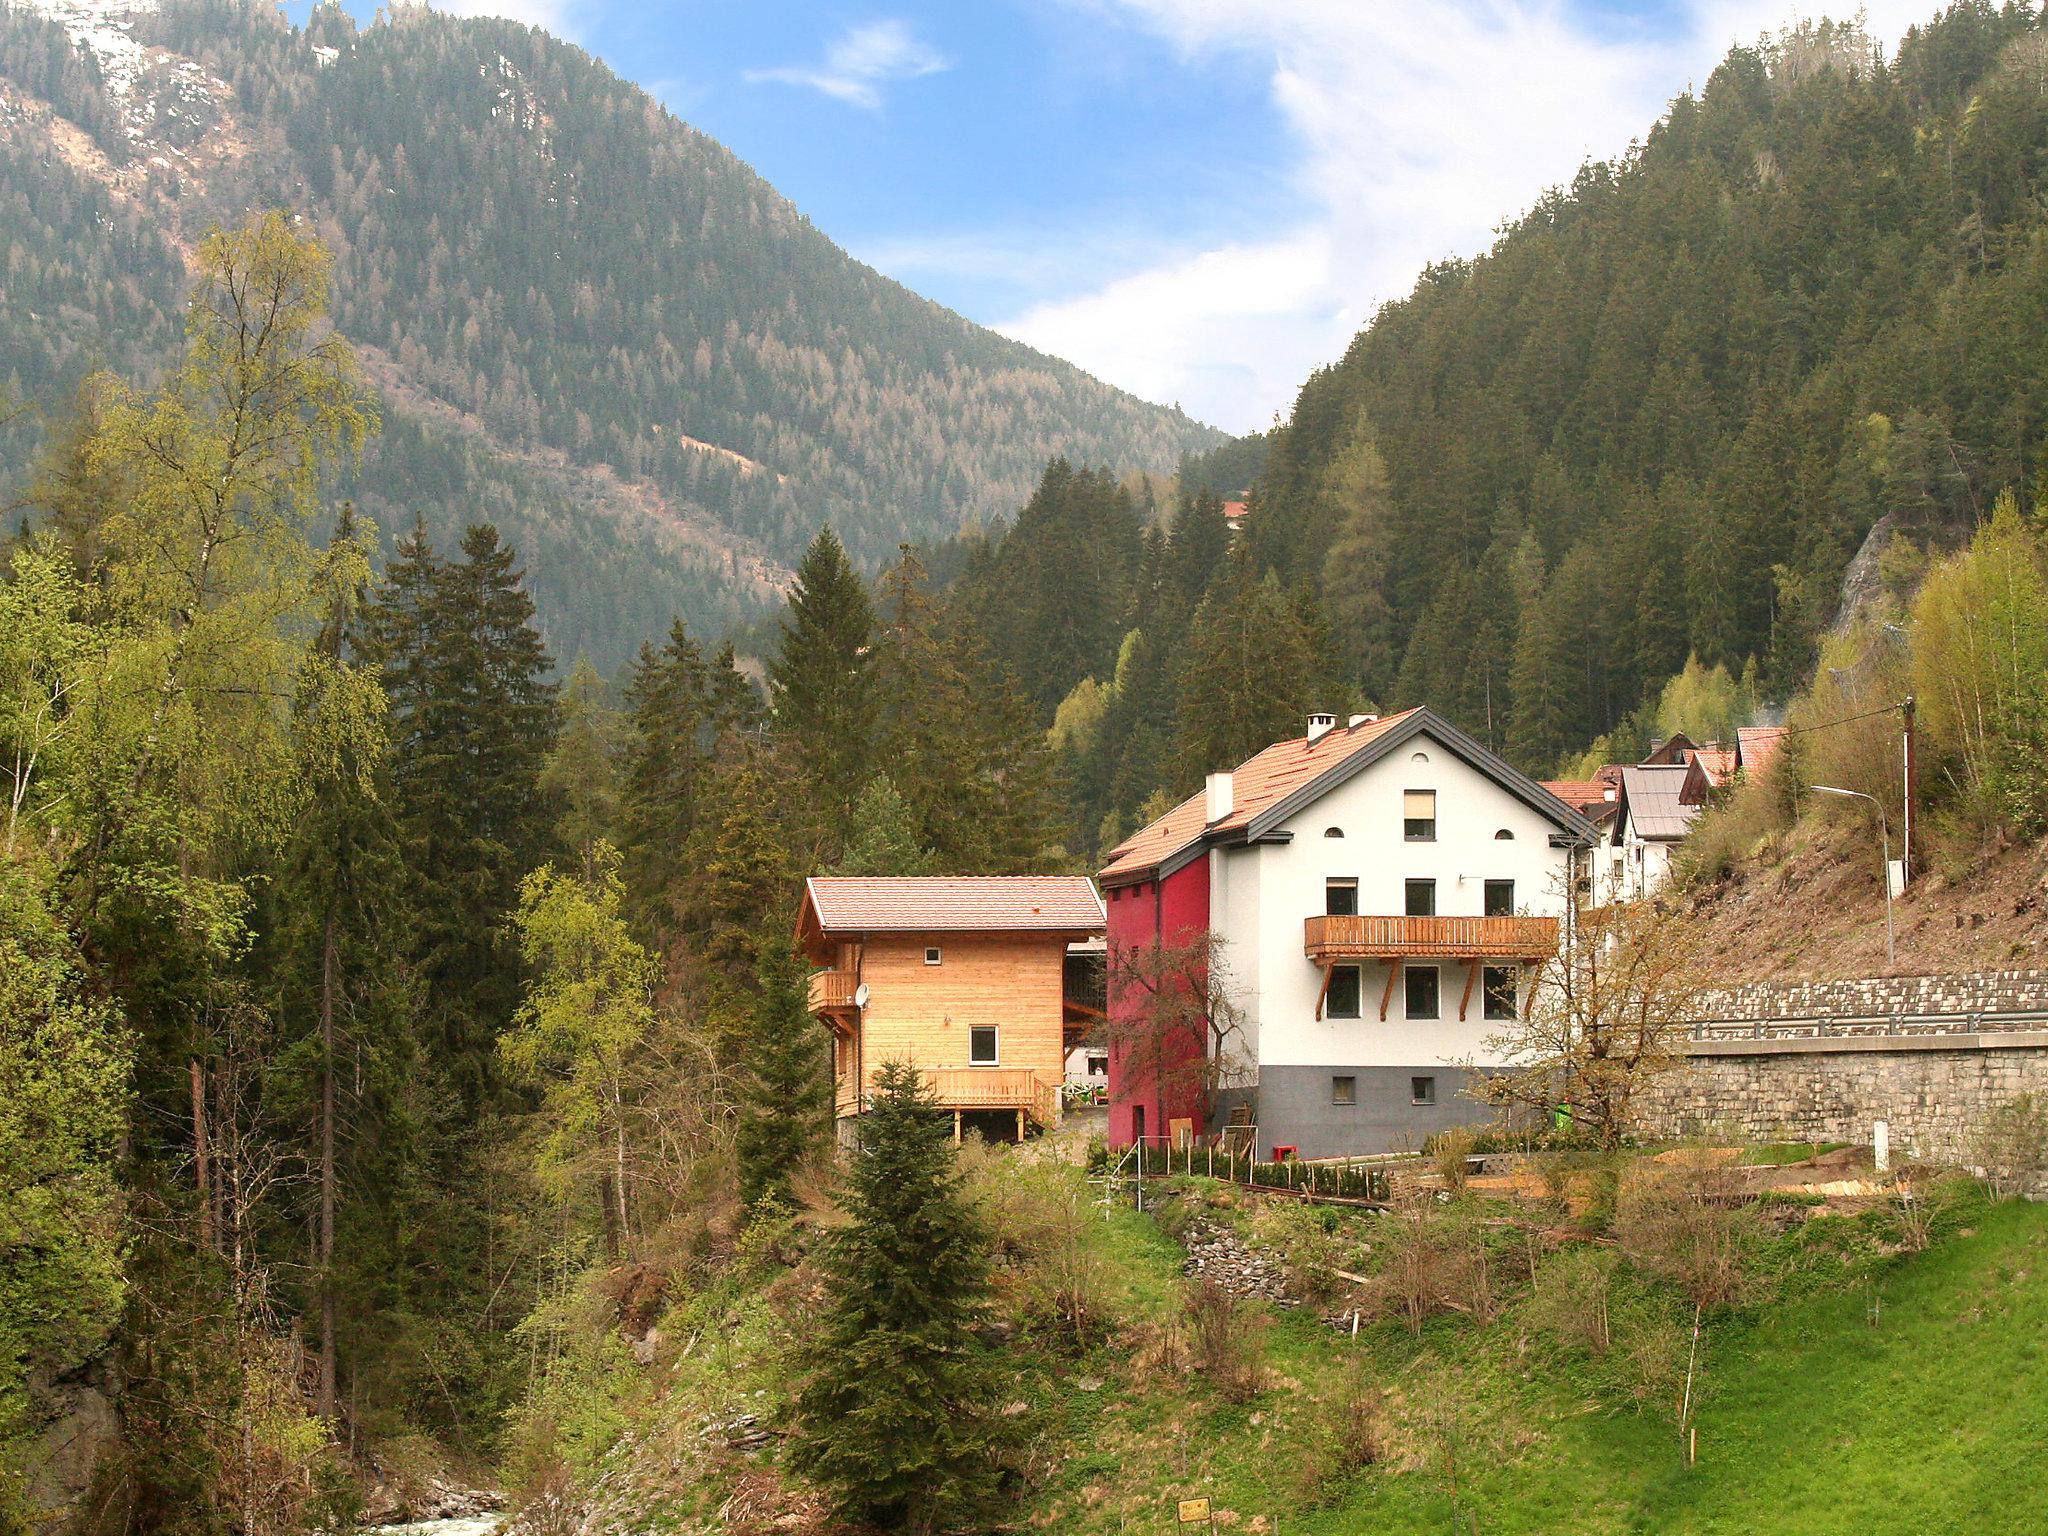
1273,785
1756,745
1652,801
1717,763
848,904
1594,799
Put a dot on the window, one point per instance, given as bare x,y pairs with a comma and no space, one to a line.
1500,898
1098,1066
1342,1002
1333,831
1343,1090
981,1045
1422,991
1497,982
1340,897
1422,1090
931,955
1421,898
1503,836
1418,815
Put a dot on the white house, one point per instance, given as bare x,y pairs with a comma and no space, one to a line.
1657,806
1383,889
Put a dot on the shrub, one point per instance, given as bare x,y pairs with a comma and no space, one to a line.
2010,1145
1430,1261
1342,1436
1037,1215
1225,1341
1677,1224
1450,1149
1312,1244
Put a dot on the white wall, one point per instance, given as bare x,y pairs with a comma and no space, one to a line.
1261,896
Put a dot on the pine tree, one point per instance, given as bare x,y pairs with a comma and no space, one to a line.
1201,538
786,1098
1355,568
897,1416
821,683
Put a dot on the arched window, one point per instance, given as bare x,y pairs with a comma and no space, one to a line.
1333,831
1419,757
1503,836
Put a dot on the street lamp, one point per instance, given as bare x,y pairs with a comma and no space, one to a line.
1891,957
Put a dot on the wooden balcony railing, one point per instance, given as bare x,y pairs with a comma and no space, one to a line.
832,991
1365,937
976,1088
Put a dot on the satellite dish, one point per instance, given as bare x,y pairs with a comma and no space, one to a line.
860,995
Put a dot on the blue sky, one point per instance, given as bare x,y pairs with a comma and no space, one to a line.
1200,200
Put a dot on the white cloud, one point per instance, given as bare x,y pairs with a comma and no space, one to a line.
859,62
1420,129
556,16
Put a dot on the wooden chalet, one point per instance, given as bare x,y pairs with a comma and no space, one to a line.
982,983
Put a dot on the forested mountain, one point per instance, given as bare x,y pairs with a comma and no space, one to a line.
585,320
1674,400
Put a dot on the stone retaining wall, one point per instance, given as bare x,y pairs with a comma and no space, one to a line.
1933,1090
2008,991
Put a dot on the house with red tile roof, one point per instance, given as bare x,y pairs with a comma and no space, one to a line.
1755,746
967,978
1382,891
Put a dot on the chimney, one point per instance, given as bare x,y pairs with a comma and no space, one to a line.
1358,720
1220,796
1610,793
1319,726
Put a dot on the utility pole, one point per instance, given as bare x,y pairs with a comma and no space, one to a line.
1909,749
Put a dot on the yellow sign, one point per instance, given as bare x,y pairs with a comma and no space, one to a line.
1194,1511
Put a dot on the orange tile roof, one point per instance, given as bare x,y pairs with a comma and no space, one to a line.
1717,763
1262,782
954,904
1585,796
1757,745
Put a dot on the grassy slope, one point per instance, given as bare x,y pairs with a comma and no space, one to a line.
1817,1423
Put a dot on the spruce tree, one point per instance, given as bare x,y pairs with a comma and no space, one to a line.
821,681
882,839
1249,672
897,1416
473,722
662,772
786,1096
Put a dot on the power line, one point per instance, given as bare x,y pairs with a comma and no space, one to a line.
1828,725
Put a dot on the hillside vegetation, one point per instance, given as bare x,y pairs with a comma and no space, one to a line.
1675,398
1539,1389
587,320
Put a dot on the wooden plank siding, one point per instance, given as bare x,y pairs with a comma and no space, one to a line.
921,1014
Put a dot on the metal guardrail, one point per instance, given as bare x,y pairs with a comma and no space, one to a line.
1865,1026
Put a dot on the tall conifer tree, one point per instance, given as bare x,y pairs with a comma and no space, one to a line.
898,1414
821,682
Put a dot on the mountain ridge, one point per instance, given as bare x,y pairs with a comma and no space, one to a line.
537,245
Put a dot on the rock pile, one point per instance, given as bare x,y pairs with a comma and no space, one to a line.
1217,1253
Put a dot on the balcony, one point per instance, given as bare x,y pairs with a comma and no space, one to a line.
969,1088
832,992
1363,937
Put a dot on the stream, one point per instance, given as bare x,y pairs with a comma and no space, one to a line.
460,1525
